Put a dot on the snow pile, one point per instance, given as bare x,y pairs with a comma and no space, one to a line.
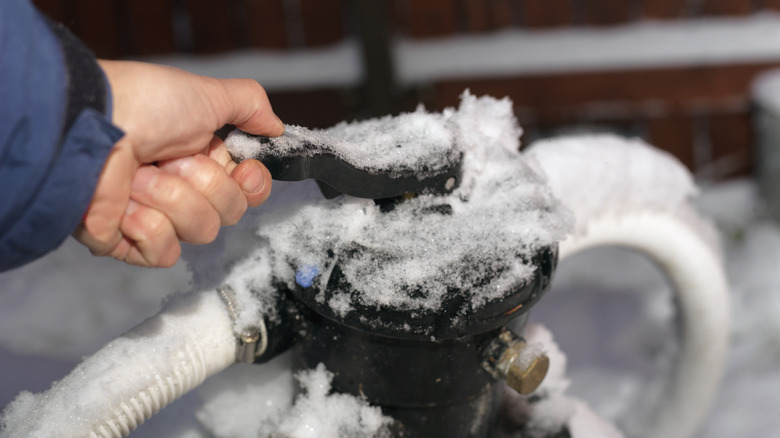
245,398
411,257
260,401
318,413
555,408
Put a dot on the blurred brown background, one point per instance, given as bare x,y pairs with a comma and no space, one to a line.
700,113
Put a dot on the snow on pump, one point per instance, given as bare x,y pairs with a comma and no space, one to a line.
407,266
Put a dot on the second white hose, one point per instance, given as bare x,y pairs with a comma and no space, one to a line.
696,272
624,192
116,389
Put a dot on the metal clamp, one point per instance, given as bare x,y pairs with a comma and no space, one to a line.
253,340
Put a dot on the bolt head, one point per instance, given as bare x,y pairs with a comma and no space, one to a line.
524,376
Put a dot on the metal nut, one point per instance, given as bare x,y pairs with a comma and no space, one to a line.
524,370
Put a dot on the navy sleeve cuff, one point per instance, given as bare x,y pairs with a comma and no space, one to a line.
44,226
87,85
72,166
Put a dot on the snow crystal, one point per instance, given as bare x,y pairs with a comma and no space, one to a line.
502,209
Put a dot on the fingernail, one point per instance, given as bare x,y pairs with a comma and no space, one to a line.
143,178
253,182
281,123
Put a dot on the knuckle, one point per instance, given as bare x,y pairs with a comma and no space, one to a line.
102,232
236,214
205,230
256,85
212,179
156,225
169,257
211,230
174,192
168,190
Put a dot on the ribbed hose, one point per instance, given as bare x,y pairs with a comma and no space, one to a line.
696,272
168,386
196,341
130,379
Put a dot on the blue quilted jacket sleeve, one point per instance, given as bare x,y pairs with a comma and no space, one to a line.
55,132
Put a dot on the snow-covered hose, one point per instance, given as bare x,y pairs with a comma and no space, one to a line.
701,296
137,374
626,193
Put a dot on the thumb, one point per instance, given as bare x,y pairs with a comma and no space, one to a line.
255,181
247,107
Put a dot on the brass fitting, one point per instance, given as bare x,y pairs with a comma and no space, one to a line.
524,370
523,367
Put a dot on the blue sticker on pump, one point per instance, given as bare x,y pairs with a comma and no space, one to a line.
305,275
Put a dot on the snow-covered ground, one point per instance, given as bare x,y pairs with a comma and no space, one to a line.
609,310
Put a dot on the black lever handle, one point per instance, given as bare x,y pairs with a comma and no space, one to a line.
307,160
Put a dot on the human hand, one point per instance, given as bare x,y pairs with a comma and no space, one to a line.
170,179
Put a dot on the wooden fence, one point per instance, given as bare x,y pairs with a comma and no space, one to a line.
446,17
702,114
121,28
